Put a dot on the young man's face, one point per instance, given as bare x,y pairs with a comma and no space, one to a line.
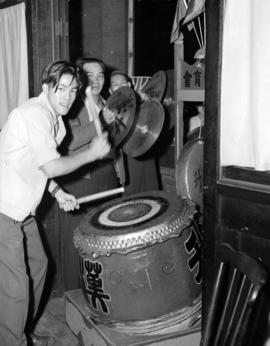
118,81
62,97
95,76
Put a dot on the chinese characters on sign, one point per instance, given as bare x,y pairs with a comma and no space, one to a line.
193,76
92,283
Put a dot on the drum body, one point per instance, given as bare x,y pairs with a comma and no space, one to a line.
139,258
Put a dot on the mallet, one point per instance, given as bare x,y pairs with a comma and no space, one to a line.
100,195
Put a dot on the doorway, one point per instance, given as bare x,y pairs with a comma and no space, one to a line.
153,20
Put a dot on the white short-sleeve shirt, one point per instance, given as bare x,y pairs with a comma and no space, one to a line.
28,140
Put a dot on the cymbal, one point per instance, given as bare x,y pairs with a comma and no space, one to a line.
147,129
123,103
155,87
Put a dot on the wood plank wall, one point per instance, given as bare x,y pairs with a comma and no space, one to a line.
104,31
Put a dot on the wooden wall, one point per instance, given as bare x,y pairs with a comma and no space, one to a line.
98,28
47,37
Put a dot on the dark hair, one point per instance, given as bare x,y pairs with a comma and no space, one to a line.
53,72
121,73
81,61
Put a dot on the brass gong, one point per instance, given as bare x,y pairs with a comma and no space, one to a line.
155,87
147,129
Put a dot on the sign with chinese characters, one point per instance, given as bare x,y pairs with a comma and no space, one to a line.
193,75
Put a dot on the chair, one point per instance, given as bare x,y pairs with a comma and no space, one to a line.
239,281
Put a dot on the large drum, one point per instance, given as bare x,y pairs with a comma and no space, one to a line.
140,260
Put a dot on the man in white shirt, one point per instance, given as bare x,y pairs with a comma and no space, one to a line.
28,161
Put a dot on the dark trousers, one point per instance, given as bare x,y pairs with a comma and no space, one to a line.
22,258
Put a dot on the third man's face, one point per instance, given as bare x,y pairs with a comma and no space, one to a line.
118,81
95,76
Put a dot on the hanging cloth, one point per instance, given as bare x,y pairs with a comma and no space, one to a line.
245,85
13,60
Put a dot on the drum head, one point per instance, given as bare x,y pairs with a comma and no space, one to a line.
123,103
133,222
147,129
155,87
189,172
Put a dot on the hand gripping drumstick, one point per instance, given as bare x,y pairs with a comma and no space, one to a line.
100,195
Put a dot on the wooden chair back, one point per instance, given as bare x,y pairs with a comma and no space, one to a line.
239,281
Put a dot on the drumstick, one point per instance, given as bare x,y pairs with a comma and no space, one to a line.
97,124
100,195
91,107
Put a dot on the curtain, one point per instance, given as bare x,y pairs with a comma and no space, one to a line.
13,60
245,85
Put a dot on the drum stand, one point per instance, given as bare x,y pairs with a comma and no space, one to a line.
79,321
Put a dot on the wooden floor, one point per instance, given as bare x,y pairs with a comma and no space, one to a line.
53,323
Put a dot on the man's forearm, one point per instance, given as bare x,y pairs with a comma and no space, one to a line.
68,164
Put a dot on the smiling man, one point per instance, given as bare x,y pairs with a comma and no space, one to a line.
29,159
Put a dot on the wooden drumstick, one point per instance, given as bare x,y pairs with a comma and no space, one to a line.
100,195
91,107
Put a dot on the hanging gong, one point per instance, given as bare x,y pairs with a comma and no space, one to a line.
189,172
123,103
147,129
155,87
